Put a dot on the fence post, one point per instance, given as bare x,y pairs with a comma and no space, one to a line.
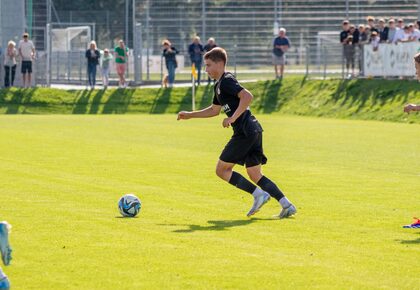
307,60
235,46
324,57
48,55
342,62
137,54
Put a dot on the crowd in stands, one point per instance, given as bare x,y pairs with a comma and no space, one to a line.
374,32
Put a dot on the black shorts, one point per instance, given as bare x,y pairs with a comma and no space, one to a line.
26,66
244,150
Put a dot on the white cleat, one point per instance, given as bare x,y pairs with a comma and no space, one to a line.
287,212
258,203
5,249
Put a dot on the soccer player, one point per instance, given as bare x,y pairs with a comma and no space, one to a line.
412,107
5,252
245,146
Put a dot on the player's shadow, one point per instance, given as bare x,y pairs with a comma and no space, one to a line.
414,242
219,225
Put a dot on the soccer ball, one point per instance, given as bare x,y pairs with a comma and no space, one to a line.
129,205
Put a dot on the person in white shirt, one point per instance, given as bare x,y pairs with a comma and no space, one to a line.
27,53
399,34
414,32
374,40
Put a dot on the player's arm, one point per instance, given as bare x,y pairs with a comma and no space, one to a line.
245,97
208,112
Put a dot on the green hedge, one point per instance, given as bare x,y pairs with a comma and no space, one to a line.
352,99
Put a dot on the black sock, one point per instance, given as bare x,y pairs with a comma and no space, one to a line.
268,186
241,182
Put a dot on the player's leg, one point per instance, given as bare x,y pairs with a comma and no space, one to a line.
4,281
225,171
5,248
254,161
260,197
5,251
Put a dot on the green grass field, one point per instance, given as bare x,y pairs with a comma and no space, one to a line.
355,183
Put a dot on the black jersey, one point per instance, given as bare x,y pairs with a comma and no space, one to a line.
226,91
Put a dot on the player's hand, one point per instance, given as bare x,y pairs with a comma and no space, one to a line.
227,122
183,115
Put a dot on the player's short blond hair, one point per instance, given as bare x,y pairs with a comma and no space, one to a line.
217,54
417,58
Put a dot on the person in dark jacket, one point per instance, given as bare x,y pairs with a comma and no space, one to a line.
196,50
169,53
92,55
211,43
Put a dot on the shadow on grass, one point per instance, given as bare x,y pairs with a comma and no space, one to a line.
126,217
82,101
21,97
358,93
270,97
118,101
412,242
161,101
219,225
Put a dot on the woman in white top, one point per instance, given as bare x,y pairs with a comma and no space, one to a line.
10,64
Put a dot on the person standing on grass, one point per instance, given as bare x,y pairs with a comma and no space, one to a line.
245,146
169,53
10,64
105,65
280,46
27,54
121,55
413,107
195,50
6,253
92,55
211,43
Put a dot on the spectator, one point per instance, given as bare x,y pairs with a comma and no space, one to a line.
346,39
364,34
10,64
121,54
27,54
169,53
92,54
391,30
399,34
372,24
280,46
353,31
344,33
363,39
196,50
105,66
383,30
374,40
211,43
414,33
